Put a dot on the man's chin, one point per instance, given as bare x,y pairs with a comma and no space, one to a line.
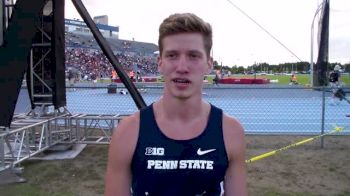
182,95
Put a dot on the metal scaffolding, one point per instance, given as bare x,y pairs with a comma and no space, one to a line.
29,136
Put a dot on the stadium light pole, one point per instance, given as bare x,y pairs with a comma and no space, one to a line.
292,65
254,71
312,45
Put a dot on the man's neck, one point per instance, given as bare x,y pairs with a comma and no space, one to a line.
173,108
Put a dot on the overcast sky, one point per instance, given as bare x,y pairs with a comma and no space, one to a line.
237,40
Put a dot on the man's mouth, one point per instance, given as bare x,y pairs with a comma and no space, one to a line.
181,81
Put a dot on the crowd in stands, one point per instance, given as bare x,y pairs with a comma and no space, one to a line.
85,58
91,63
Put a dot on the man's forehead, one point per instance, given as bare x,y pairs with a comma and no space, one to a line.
184,42
185,37
194,51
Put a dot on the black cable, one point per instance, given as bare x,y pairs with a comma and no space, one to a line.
266,31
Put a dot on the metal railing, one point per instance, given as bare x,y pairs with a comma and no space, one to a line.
30,135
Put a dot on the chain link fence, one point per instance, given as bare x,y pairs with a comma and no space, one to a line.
267,110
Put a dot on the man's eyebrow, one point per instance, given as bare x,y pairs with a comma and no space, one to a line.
170,51
188,52
195,52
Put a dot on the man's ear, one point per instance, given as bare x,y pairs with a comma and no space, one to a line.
159,63
210,64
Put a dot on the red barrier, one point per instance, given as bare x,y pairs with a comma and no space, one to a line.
221,81
244,81
150,79
145,79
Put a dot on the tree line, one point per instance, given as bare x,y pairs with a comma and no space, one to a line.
299,67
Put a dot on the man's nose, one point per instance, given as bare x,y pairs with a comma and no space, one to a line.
182,65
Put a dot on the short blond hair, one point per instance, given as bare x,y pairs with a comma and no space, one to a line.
186,23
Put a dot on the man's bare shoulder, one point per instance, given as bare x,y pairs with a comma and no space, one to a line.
235,177
233,136
130,120
231,125
128,127
121,149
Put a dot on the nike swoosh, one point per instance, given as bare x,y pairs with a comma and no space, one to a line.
203,152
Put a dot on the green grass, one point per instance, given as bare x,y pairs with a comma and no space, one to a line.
303,79
83,175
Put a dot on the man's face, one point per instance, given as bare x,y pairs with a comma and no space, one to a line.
183,64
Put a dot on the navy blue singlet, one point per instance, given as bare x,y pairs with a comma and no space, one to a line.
164,166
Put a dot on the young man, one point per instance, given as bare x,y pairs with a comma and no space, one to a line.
217,77
293,80
179,145
335,84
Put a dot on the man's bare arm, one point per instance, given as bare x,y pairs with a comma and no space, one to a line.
121,149
235,178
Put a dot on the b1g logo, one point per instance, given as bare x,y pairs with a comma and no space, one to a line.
154,151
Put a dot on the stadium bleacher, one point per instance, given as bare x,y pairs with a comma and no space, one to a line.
84,55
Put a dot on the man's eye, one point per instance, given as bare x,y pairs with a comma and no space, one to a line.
171,55
194,55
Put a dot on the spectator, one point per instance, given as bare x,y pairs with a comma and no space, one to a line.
87,60
334,81
293,80
217,78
